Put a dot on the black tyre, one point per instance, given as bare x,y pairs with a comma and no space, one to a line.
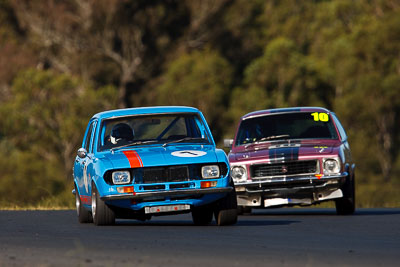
226,210
202,215
244,210
84,215
347,204
101,213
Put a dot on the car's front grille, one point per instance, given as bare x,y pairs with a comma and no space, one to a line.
283,169
165,174
180,186
153,175
178,174
152,187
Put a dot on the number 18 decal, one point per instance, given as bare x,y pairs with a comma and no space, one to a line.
320,116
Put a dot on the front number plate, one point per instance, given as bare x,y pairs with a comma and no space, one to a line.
166,208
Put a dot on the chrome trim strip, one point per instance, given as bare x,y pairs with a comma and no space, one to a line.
284,176
140,195
294,189
285,180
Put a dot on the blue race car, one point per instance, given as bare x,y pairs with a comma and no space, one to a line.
143,162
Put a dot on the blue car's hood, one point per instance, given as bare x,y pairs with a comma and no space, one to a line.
151,156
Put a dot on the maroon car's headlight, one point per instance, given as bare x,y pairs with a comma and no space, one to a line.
239,174
331,166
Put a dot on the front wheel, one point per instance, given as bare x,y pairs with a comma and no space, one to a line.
226,210
202,215
102,214
84,215
347,204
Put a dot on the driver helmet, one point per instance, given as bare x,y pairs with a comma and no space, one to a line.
121,131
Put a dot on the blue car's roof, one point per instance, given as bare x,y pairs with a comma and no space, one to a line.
144,110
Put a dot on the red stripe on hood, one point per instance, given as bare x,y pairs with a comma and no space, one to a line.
134,159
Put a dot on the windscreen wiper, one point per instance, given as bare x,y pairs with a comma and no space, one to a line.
182,140
133,144
273,137
268,138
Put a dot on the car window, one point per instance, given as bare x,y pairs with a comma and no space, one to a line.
88,140
157,128
299,125
340,128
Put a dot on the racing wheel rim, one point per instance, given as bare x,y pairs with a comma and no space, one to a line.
77,203
94,204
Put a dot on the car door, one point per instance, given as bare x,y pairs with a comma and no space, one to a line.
80,168
88,170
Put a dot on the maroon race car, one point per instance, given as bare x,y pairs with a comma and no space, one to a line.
292,156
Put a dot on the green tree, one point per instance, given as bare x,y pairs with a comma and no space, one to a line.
370,85
198,79
281,77
15,53
43,125
119,42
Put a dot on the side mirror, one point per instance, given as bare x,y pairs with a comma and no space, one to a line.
82,153
228,143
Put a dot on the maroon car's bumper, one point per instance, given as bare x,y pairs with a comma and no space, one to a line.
304,190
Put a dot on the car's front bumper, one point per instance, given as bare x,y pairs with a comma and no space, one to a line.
289,190
168,193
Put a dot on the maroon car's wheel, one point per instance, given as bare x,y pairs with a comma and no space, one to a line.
84,215
243,210
102,214
347,204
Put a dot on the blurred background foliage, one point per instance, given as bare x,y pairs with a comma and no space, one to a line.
63,61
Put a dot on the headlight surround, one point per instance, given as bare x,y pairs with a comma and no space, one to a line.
331,166
121,177
239,174
210,171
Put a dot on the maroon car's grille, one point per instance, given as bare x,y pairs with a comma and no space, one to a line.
287,168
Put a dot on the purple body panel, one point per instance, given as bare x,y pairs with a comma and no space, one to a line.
270,152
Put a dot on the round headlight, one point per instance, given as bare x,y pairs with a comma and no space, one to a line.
239,174
331,166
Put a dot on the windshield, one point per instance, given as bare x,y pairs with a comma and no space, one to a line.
299,125
152,129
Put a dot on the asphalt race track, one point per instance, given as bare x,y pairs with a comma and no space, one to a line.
277,237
